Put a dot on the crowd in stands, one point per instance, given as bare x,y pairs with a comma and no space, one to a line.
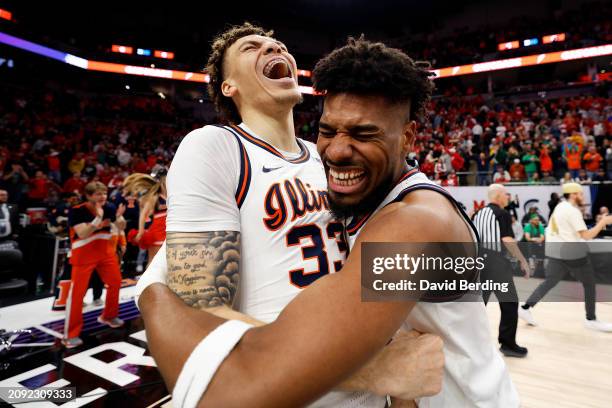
584,27
52,144
539,141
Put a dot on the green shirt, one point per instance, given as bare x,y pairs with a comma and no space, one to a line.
530,166
534,232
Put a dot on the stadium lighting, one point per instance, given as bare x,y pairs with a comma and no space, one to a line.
547,39
127,87
6,15
164,54
161,95
122,49
510,45
144,52
91,65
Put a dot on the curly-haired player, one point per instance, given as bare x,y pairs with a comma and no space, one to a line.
371,88
249,228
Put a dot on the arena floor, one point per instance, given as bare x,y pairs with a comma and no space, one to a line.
567,366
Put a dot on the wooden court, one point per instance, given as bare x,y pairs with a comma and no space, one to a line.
568,365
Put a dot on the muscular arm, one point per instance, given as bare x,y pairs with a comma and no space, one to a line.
325,334
203,270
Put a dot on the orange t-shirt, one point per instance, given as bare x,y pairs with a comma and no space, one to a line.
592,161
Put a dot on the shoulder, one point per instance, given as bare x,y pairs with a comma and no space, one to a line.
422,216
208,136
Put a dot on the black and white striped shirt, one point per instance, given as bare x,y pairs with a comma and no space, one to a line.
493,223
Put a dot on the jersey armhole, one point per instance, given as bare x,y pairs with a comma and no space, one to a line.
244,179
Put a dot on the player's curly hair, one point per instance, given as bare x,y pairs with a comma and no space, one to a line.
370,68
214,67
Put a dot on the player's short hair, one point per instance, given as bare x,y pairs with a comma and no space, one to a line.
95,186
214,67
371,68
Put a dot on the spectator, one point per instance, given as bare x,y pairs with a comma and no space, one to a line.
601,176
517,171
74,184
517,229
547,178
76,164
530,160
534,231
546,164
552,203
592,162
9,218
14,181
501,176
53,165
483,168
583,177
40,188
533,210
573,154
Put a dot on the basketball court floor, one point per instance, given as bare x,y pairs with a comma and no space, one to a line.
567,365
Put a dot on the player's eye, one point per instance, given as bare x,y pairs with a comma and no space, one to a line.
326,133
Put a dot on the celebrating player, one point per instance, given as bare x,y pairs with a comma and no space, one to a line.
290,201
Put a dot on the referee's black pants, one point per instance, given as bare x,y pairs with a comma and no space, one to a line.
499,270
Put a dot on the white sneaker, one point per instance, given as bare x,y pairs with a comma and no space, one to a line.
525,314
598,325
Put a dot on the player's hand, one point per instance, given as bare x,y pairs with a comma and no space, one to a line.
411,366
608,219
138,236
525,268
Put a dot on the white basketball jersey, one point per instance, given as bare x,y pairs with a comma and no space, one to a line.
475,375
288,236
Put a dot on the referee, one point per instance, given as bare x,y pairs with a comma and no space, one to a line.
494,225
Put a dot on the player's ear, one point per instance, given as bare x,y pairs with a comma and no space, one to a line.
409,135
228,89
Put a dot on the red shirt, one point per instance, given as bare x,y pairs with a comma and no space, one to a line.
73,184
53,163
39,189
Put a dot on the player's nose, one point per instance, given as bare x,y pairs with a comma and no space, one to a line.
272,47
339,149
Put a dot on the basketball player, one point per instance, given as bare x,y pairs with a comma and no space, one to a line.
251,201
366,131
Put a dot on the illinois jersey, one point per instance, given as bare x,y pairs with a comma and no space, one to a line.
229,179
474,373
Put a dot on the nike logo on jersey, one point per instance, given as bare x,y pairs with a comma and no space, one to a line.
269,169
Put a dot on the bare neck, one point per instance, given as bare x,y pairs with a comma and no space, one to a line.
276,129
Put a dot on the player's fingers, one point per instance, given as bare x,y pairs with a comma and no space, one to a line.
412,334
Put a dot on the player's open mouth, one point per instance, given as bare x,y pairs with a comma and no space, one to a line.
277,69
346,181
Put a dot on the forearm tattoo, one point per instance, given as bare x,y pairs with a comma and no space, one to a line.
203,267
